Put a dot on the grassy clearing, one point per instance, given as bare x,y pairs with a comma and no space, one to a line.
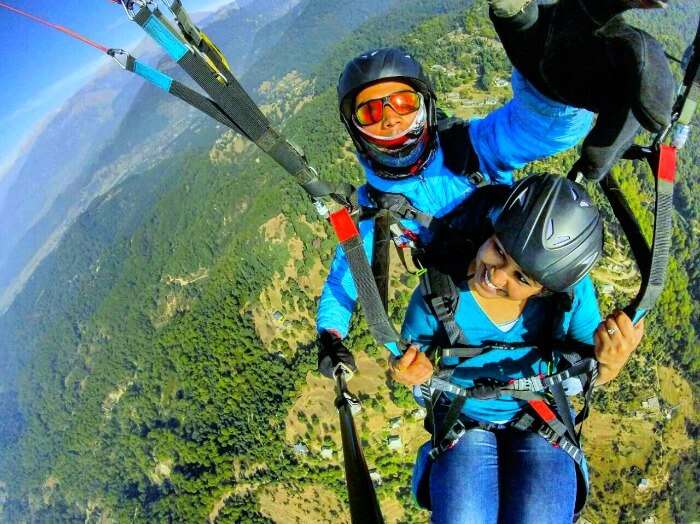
288,505
296,325
645,445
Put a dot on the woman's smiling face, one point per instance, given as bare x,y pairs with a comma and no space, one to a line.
497,275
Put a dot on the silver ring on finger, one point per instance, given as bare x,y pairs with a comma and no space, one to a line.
611,331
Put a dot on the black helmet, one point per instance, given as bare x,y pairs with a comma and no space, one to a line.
550,227
389,64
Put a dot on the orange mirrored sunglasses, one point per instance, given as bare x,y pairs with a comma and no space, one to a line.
372,111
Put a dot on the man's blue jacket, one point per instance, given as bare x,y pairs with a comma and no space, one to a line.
529,127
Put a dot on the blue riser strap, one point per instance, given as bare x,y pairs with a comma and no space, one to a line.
154,76
639,315
170,44
394,348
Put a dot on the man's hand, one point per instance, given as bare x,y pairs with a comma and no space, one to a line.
615,340
331,353
412,368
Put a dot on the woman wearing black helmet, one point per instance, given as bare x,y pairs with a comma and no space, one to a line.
510,327
421,171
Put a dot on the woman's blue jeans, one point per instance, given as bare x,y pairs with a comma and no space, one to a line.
505,476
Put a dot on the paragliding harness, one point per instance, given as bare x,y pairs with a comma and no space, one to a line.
547,411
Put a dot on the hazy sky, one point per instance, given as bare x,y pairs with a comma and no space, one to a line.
41,67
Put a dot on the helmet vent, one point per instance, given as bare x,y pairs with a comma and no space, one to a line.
550,229
583,203
574,194
561,240
521,196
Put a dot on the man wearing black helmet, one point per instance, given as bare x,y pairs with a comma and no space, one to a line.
522,299
420,171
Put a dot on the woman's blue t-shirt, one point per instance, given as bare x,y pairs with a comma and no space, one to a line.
422,328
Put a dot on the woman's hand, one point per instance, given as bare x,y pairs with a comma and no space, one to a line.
615,340
412,368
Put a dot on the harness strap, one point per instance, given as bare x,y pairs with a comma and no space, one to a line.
399,206
564,410
428,401
441,294
235,102
199,40
472,351
465,352
534,384
486,390
451,417
459,154
456,427
380,256
546,424
368,295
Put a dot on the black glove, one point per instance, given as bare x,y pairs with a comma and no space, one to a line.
331,352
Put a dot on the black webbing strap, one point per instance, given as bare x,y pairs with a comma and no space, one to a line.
175,88
451,417
364,506
429,404
442,296
464,352
544,422
663,164
561,404
199,40
521,388
380,255
377,320
652,262
399,206
583,367
473,351
450,431
237,104
486,389
458,151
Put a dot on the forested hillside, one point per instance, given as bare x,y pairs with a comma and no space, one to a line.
162,358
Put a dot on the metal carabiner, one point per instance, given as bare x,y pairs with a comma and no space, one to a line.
128,6
114,53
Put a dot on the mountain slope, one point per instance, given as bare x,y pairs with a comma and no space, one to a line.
119,125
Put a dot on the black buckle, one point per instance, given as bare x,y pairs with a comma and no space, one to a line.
476,178
456,432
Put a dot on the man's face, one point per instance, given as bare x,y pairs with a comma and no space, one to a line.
396,115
